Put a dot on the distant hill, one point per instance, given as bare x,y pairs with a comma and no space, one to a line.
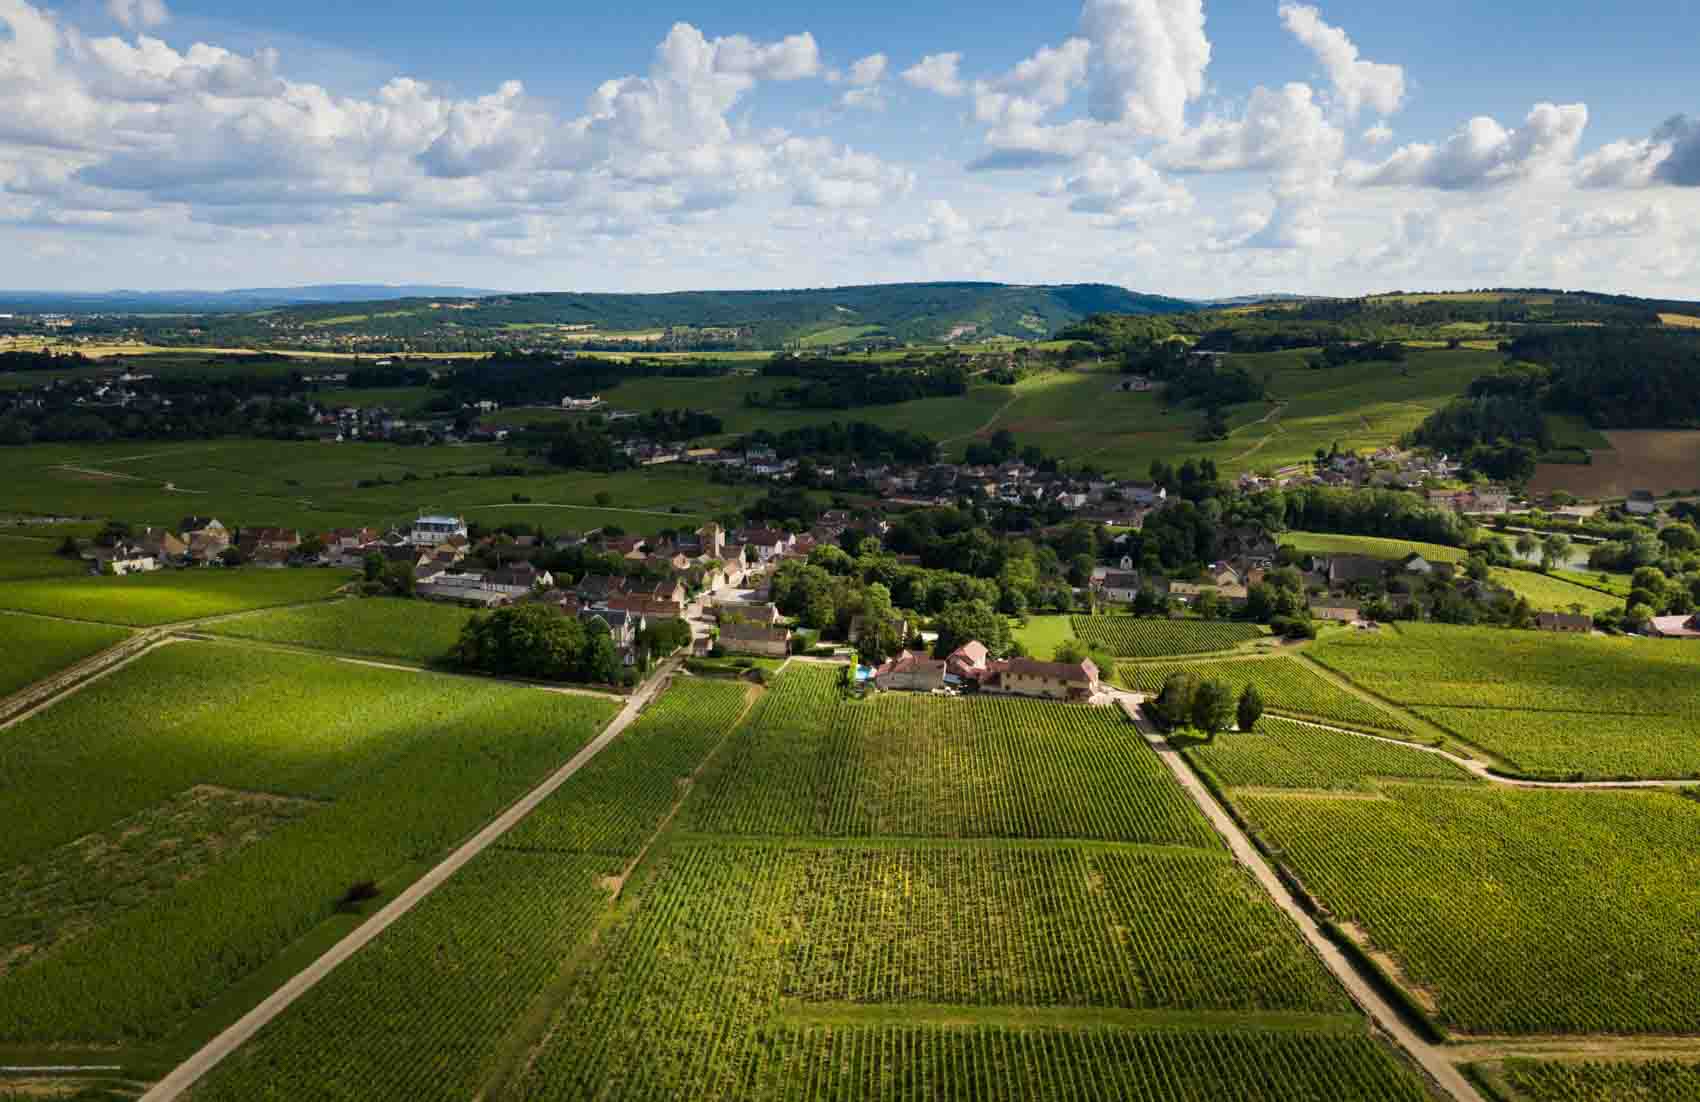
235,301
818,316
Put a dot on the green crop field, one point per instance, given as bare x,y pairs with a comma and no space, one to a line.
382,627
1549,705
1288,685
1551,594
1515,911
376,770
1141,637
1282,753
905,764
913,963
37,647
1596,1081
169,596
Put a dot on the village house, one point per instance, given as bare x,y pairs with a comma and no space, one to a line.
161,544
768,542
1340,612
623,626
518,578
1564,622
595,588
121,558
271,539
1119,586
911,670
750,612
194,526
969,662
205,546
1349,570
1053,680
429,531
747,638
1681,626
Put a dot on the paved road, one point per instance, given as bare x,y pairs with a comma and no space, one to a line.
1432,1058
191,1070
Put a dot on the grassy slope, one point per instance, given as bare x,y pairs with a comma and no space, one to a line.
1322,543
1041,635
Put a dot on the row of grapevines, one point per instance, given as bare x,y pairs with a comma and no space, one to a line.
1143,637
36,647
914,765
612,805
408,765
999,1064
385,627
1588,1081
1282,753
169,596
1286,684
418,1013
1521,911
1053,927
1565,745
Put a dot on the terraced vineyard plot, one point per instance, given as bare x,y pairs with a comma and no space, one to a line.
682,997
1094,1065
168,596
1550,704
1286,684
482,946
613,804
1030,927
72,889
1520,911
383,627
36,648
1140,637
1554,1081
408,764
1284,754
912,765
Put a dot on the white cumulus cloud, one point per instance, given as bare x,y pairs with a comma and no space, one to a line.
1484,154
1149,58
1357,83
937,73
139,14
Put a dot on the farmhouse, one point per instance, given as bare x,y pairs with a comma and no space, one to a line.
753,612
1345,570
967,662
520,577
1564,622
773,642
121,559
1339,612
1054,680
1120,587
911,670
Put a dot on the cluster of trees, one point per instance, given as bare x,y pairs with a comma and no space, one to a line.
537,642
1359,352
1619,377
857,439
839,384
1187,700
42,360
669,425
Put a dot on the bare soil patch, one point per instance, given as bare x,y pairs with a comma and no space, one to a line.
1421,995
1641,459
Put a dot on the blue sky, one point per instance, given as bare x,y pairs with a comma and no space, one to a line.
1178,146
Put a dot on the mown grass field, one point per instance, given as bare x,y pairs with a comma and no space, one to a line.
381,771
1042,635
36,648
1288,686
1512,911
1546,704
917,964
169,596
381,627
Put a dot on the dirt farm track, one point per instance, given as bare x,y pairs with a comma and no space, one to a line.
1640,459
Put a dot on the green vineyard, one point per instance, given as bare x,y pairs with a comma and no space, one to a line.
1504,904
1590,1081
1283,753
913,765
1287,685
1140,637
37,648
1550,705
396,768
169,596
382,627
